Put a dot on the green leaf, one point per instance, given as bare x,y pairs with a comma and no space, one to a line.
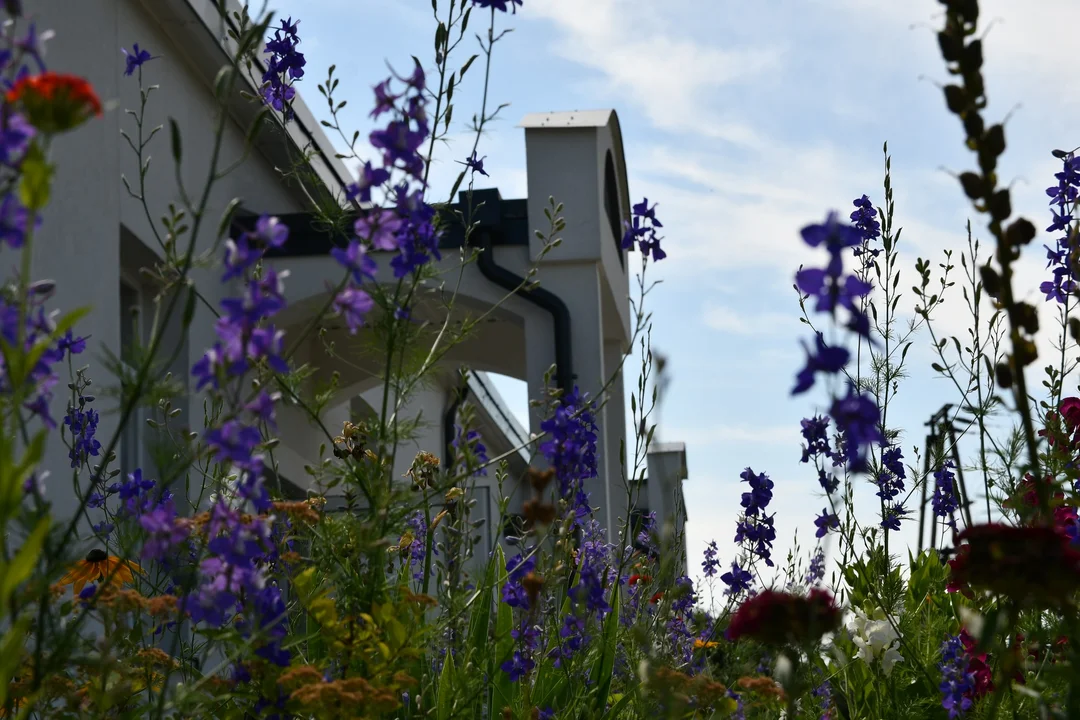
616,709
36,183
446,688
605,664
13,475
504,645
23,563
11,653
465,67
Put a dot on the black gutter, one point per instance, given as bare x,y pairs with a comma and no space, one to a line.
560,314
450,424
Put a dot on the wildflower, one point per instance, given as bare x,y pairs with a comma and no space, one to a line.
163,531
354,305
513,593
816,571
825,522
1035,565
370,177
500,5
892,515
99,566
355,259
473,450
876,638
758,532
826,359
285,65
15,221
55,103
642,230
778,618
83,422
857,417
828,285
475,165
944,500
135,58
570,446
1063,195
982,675
710,563
956,682
815,432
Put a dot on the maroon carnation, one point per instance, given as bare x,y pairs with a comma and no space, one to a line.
1034,565
779,618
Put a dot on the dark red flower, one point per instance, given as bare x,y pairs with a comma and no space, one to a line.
1034,565
55,102
779,618
1070,412
983,676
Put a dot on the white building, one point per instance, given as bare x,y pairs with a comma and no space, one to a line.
95,239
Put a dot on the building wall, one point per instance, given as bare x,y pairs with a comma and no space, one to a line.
79,244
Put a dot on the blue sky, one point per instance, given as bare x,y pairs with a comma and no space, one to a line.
747,121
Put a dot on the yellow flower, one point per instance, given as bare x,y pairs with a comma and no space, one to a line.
699,644
99,566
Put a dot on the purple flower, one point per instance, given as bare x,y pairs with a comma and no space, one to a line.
517,666
370,177
14,221
825,522
857,417
15,136
710,564
822,359
892,515
760,493
570,445
944,501
71,344
353,304
418,547
475,165
355,259
1064,196
816,571
642,230
135,58
957,683
815,431
513,593
234,442
82,421
163,532
738,580
500,5
285,65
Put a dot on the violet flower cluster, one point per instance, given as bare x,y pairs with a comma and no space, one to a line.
285,65
500,5
890,483
642,230
570,448
956,682
473,452
755,529
1063,196
944,501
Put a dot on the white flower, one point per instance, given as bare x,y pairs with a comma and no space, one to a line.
876,639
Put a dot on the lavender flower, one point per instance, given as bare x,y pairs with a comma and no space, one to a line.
738,580
136,58
944,501
956,682
710,564
285,65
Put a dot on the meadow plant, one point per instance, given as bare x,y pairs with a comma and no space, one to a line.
200,587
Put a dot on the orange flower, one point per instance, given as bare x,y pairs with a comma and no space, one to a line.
699,644
55,102
99,566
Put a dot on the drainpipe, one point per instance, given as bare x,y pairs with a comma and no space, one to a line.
549,301
450,423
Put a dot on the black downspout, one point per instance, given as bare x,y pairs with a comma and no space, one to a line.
560,314
450,424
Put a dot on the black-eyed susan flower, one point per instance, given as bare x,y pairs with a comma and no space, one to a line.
99,565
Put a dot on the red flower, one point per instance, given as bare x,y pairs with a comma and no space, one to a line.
1034,565
1070,411
778,618
54,102
983,675
656,598
635,579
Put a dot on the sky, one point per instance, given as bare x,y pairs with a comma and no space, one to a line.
746,122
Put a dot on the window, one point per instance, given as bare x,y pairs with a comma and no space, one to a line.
130,337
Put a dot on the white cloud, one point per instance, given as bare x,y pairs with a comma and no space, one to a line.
668,76
740,322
